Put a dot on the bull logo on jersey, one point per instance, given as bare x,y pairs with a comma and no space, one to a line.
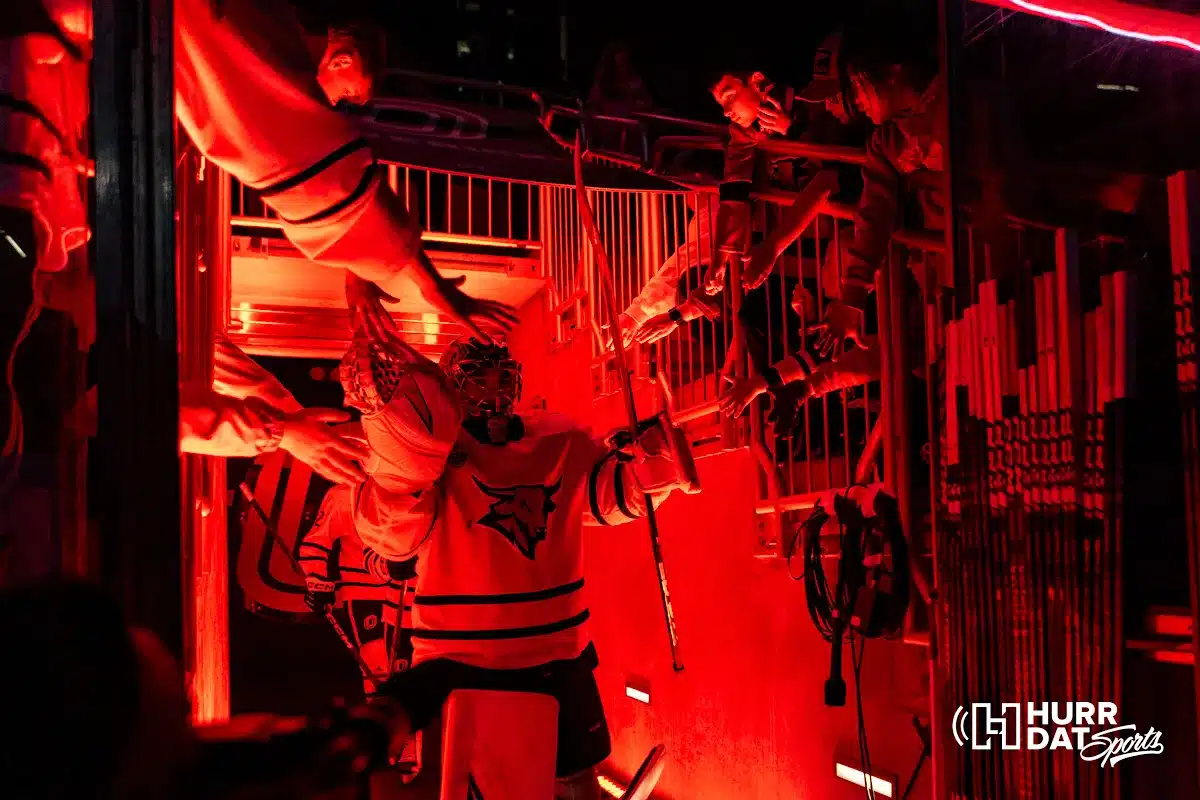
520,514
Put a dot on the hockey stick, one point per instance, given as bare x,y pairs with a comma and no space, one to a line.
642,784
610,302
269,526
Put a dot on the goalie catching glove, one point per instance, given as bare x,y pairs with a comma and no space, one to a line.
660,459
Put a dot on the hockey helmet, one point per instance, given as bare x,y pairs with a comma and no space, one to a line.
486,375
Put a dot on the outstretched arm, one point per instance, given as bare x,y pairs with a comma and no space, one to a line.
875,219
211,424
237,375
247,411
658,295
246,92
852,368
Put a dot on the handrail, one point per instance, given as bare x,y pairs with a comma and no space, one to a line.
538,96
426,236
713,127
815,150
801,502
584,117
765,463
561,308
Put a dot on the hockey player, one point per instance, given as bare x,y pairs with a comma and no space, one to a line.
340,573
370,597
245,94
494,503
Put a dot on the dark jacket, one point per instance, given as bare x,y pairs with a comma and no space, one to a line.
911,149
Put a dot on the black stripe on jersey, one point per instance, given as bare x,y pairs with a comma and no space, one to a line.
392,604
505,633
318,559
319,547
497,599
308,173
360,190
27,161
619,490
19,106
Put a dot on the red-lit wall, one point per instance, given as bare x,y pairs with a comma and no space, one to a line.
746,718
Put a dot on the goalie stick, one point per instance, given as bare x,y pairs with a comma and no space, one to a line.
610,303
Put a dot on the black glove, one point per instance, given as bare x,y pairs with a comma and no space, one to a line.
785,411
319,596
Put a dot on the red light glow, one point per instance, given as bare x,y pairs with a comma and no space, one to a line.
1118,18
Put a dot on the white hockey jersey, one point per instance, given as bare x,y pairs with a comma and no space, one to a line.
500,582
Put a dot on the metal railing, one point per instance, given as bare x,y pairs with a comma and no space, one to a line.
642,231
836,441
453,208
413,83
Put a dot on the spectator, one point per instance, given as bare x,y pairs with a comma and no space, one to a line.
660,294
758,110
618,90
894,75
351,68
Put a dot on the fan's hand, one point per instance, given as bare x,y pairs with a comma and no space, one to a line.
803,303
445,295
365,300
785,411
841,322
714,280
656,328
307,437
739,394
758,267
771,117
629,329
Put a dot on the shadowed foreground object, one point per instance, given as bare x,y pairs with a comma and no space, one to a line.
70,679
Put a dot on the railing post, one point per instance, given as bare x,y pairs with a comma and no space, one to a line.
736,366
950,44
587,261
887,359
650,212
546,238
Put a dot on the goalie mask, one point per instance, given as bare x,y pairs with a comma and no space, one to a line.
408,408
488,380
